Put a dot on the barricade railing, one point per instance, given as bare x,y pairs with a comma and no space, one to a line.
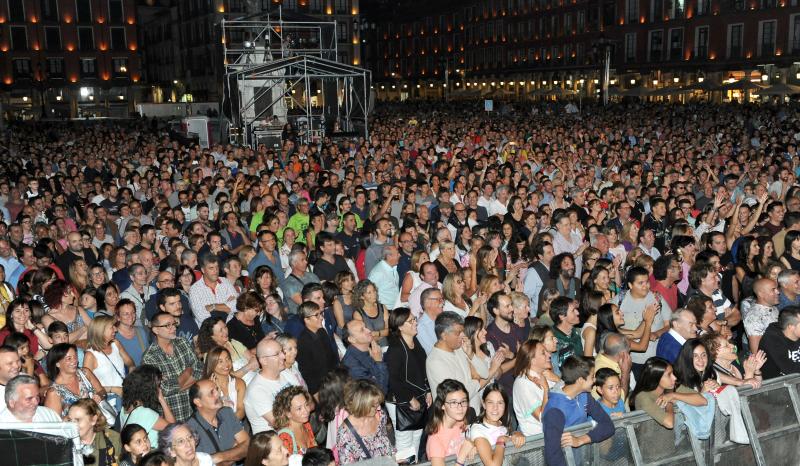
771,415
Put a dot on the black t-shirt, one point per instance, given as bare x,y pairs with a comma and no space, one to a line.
783,354
327,271
350,243
247,335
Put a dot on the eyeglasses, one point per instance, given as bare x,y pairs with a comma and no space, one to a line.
181,442
315,315
271,355
457,404
172,324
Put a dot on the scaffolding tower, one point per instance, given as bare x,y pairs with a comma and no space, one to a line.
280,72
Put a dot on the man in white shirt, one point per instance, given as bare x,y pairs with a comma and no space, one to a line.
211,296
384,276
447,360
498,206
22,402
261,392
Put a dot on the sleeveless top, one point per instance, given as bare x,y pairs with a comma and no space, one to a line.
794,263
347,309
110,368
75,324
68,398
376,324
415,281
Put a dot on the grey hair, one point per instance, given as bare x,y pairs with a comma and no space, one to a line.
445,322
387,250
593,239
440,235
614,343
167,435
11,386
294,257
676,315
284,338
786,275
186,254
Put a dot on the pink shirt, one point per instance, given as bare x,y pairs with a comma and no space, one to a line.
445,442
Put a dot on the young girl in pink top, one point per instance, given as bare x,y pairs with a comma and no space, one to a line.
446,429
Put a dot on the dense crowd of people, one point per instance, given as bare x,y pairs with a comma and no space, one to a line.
458,282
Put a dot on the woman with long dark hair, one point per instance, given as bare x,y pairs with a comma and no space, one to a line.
490,433
70,383
747,266
18,319
330,408
694,367
656,393
610,319
791,250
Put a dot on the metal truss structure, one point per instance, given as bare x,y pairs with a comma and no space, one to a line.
279,72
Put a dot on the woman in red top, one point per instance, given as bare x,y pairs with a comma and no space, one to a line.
18,319
291,410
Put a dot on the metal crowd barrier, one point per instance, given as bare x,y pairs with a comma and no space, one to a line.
771,414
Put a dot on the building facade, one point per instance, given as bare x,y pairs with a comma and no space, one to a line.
518,46
69,58
183,58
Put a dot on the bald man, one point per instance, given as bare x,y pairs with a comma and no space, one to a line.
261,392
760,310
75,251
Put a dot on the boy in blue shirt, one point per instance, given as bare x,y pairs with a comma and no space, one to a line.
572,406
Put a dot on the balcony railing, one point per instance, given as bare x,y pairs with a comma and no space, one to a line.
771,414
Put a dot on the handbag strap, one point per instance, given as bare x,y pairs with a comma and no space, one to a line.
403,344
210,435
358,437
286,430
112,362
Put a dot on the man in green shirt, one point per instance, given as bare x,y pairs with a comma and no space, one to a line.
564,312
299,221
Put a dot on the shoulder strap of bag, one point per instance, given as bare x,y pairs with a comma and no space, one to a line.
358,438
211,436
112,362
139,339
286,430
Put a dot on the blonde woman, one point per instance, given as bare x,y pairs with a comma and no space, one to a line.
79,274
412,279
454,290
105,356
488,285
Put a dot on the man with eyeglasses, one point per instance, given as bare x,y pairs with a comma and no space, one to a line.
261,391
432,305
176,360
315,355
